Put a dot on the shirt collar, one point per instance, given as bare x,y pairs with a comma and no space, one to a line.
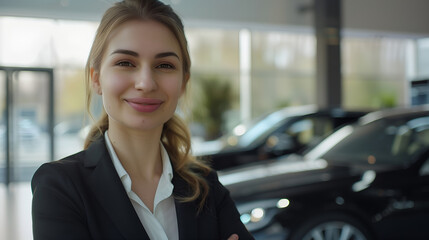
167,169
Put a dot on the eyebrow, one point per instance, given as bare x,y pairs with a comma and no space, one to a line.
166,54
124,51
135,54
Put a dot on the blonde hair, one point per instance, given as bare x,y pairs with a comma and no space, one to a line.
175,136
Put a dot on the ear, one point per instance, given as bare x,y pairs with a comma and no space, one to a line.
95,81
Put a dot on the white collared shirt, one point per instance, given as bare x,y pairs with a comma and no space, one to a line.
162,223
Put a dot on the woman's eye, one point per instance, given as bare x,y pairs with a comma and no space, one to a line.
165,66
125,64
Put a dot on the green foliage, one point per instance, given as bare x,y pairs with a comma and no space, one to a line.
283,103
371,92
213,99
387,99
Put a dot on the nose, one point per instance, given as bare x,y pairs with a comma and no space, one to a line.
145,80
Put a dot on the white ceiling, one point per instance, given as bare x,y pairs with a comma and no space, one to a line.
408,17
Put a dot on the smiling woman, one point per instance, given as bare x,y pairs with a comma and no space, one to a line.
136,178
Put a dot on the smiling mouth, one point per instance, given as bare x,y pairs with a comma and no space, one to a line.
144,104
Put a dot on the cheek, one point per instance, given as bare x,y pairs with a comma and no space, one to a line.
174,90
114,84
113,87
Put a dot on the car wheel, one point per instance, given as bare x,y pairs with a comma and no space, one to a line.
330,226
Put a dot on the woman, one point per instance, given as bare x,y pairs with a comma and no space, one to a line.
136,178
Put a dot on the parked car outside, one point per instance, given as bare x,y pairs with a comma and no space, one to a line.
368,180
285,131
28,131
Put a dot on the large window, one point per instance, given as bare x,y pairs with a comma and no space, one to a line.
375,70
215,57
283,70
26,42
64,47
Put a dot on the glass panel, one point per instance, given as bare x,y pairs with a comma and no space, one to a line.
69,112
423,58
213,51
2,124
283,70
274,90
374,72
30,123
215,57
16,47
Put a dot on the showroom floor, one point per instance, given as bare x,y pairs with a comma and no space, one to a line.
15,211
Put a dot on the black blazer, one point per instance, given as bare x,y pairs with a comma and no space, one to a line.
81,197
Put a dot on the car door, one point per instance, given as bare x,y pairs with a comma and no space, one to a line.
414,205
406,213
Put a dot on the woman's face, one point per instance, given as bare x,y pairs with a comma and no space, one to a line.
141,76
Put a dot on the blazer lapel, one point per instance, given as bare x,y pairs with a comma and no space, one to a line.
186,212
110,192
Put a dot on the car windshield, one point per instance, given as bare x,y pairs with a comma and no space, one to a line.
384,141
259,128
265,125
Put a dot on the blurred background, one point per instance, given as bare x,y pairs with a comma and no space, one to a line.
261,55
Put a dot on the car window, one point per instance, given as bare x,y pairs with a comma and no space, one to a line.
370,143
310,129
419,140
266,125
393,141
261,128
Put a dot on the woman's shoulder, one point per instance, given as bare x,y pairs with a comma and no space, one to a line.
209,174
215,186
212,176
74,160
66,167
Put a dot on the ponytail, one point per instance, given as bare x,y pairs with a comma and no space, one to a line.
177,141
97,130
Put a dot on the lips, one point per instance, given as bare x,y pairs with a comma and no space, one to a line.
144,104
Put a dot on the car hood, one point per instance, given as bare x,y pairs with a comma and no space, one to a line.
290,172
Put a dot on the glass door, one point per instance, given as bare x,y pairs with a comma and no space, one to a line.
28,121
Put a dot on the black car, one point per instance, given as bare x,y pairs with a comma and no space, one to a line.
288,130
368,180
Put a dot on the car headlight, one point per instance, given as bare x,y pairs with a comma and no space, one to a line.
259,214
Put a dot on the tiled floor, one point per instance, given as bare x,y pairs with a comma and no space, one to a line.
15,211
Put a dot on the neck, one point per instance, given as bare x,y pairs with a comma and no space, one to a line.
139,152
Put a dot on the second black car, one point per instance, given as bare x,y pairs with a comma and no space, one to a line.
288,130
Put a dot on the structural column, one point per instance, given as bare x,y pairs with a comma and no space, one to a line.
327,15
245,76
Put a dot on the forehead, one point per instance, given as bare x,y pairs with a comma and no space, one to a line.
144,37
